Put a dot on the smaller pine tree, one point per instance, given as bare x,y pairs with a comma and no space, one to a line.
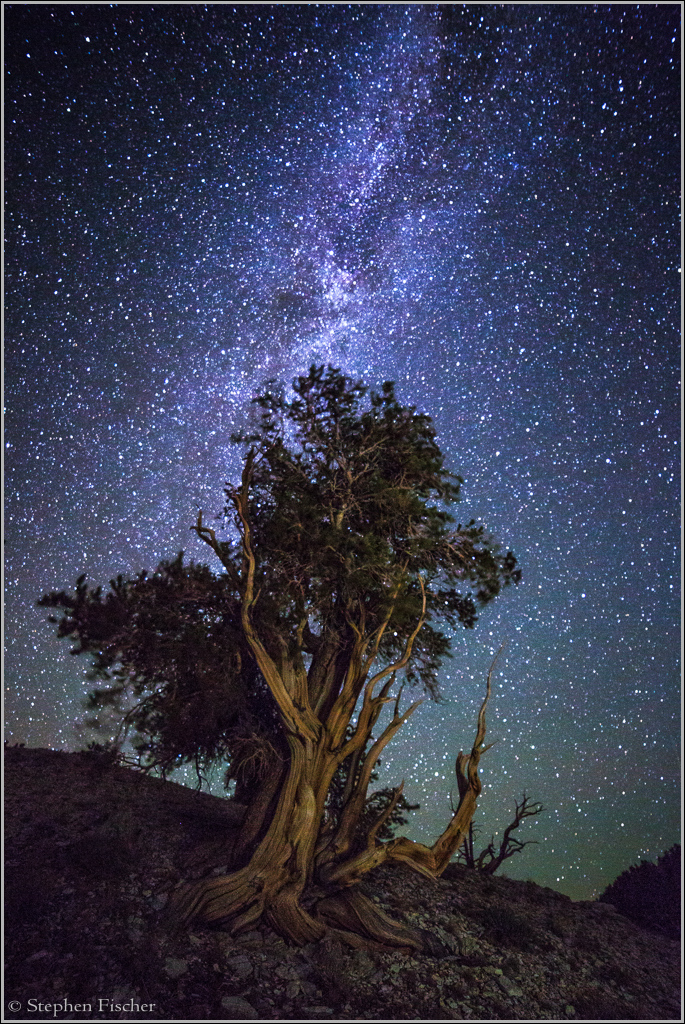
649,894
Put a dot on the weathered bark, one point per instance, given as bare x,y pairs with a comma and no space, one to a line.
257,814
351,912
275,877
271,885
428,861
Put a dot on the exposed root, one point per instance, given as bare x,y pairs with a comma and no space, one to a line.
216,899
241,901
289,919
351,911
362,942
238,902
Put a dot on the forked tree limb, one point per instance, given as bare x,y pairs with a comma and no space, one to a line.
298,717
368,707
488,861
206,534
355,804
381,820
430,861
356,790
360,662
380,630
403,660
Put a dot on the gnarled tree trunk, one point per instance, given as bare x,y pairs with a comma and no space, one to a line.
295,854
316,707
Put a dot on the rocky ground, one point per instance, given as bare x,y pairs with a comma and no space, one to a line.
92,852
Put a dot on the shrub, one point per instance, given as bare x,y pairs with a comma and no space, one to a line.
506,928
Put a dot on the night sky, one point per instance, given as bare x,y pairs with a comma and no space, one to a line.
476,201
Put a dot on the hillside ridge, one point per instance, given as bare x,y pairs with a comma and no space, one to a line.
93,851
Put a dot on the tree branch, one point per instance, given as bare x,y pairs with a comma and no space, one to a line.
509,845
208,535
429,861
300,721
371,839
397,665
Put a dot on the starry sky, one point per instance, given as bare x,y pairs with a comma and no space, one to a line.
477,201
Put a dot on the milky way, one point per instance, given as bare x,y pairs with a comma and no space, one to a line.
476,201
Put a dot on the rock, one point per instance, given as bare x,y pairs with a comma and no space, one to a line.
510,987
309,989
239,967
467,945
175,968
361,963
596,907
238,1009
432,945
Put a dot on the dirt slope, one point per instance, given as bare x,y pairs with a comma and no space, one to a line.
92,852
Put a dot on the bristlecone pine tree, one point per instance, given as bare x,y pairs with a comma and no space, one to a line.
338,576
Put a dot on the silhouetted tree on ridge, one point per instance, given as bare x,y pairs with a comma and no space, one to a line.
649,894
